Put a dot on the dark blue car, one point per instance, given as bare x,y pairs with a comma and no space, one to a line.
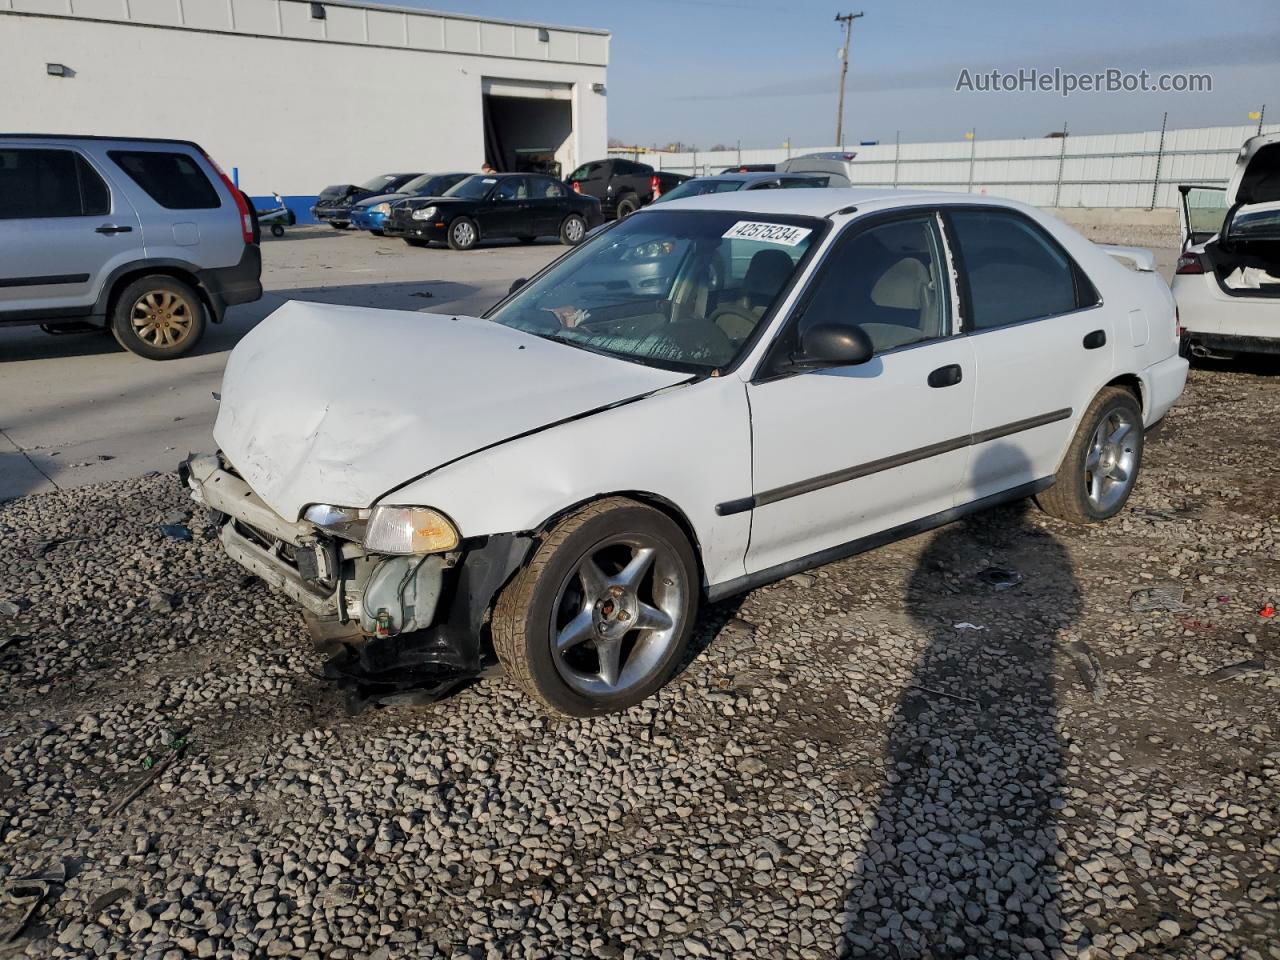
369,213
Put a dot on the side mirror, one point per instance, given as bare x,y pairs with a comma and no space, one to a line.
516,285
833,345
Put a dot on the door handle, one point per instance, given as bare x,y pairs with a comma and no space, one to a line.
947,376
112,228
1094,340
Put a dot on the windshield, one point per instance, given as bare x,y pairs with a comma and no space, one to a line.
682,289
1258,221
696,188
419,184
472,188
378,183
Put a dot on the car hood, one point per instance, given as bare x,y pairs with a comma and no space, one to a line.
332,404
377,199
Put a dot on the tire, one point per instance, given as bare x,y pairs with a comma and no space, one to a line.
463,234
377,233
549,599
1102,464
277,230
416,242
338,226
573,230
158,317
626,207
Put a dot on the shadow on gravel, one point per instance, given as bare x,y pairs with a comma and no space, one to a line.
959,860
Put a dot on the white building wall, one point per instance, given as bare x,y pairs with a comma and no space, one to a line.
294,103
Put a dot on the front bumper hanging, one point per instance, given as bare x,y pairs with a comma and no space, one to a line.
402,623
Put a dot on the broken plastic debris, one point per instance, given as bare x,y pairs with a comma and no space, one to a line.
1000,578
966,625
175,531
1268,611
1244,669
1164,597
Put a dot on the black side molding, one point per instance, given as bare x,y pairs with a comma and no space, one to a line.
49,281
787,491
719,591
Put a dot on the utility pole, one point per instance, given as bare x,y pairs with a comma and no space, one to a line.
847,19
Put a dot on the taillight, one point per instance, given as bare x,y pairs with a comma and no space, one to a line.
1190,263
246,218
655,186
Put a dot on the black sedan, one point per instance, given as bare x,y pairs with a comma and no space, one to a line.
488,206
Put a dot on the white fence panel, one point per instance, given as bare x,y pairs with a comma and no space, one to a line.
1096,170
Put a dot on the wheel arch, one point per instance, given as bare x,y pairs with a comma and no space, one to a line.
658,502
1133,383
177,270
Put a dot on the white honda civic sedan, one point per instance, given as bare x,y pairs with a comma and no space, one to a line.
707,396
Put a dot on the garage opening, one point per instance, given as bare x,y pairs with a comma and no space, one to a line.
528,127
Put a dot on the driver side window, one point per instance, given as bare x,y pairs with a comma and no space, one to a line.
889,279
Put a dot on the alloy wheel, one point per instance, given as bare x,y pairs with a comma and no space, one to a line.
617,615
1110,466
161,318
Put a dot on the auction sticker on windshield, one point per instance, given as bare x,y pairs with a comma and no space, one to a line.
782,233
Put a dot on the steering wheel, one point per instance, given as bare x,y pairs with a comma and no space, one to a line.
737,314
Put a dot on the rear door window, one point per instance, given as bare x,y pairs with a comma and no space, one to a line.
39,184
173,180
1015,271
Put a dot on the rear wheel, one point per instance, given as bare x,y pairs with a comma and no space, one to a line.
463,234
603,611
573,230
158,317
627,206
1101,466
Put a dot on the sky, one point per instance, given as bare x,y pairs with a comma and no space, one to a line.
762,71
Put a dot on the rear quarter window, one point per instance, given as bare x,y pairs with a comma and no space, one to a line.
173,180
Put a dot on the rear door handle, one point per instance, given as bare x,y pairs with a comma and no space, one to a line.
112,228
1094,340
947,376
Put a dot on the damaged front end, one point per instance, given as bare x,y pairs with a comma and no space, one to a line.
392,594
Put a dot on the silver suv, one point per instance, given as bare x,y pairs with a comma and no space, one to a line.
148,238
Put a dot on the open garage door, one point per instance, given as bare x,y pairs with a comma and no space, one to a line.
528,126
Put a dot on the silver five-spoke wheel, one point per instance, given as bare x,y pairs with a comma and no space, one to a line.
617,616
1110,464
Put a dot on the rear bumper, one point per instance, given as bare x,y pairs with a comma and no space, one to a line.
227,286
1194,343
1165,381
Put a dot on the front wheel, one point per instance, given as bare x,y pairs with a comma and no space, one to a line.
573,230
277,230
158,317
603,611
463,234
1101,466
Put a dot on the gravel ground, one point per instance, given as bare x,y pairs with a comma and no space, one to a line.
843,769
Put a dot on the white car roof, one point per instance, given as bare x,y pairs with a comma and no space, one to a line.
826,201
